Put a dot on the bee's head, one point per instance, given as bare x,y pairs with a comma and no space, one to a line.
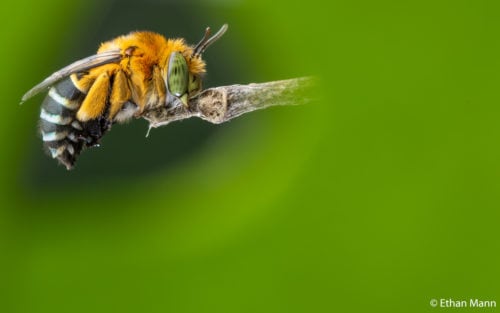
180,82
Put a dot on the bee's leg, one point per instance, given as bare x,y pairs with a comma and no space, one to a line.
159,86
83,83
91,112
94,104
120,109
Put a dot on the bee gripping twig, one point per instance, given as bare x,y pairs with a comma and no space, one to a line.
221,104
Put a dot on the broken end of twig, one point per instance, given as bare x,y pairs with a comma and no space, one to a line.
213,105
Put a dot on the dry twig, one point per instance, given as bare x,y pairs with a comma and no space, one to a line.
220,104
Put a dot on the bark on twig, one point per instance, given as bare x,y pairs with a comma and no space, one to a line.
220,104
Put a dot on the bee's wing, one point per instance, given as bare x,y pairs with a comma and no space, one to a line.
78,66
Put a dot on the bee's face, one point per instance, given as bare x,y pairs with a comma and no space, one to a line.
180,82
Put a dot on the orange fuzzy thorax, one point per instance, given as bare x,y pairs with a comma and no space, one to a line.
149,49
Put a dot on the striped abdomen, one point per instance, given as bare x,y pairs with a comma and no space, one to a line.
63,135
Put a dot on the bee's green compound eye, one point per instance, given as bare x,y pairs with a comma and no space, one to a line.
178,76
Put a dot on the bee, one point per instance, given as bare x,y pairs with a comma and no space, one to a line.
127,76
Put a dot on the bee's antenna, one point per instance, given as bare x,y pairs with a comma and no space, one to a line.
197,50
206,41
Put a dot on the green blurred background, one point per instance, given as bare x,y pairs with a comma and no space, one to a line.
380,196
